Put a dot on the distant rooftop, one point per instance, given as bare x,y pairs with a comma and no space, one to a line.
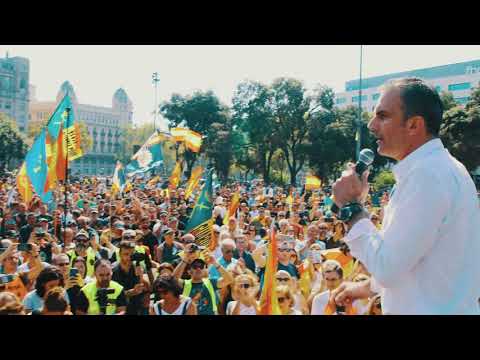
463,68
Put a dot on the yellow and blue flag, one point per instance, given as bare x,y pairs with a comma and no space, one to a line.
200,223
36,165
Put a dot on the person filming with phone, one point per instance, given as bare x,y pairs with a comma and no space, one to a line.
103,296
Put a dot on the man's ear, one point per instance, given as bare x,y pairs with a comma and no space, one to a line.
416,124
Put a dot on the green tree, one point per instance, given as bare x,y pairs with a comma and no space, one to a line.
252,115
383,179
447,100
289,104
460,132
199,112
12,143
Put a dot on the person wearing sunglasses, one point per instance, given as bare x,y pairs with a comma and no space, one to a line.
170,300
286,300
284,278
245,290
200,287
84,249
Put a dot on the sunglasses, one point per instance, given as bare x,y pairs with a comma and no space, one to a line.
198,267
283,279
64,264
282,299
244,286
129,237
284,250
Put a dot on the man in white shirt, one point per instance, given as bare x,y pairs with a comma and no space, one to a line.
425,258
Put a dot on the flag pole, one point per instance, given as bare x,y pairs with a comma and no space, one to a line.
66,174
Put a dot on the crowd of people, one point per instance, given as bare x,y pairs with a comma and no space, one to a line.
130,253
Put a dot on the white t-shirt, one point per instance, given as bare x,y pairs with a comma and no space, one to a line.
244,310
183,307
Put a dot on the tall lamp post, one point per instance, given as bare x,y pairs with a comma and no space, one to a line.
359,124
155,81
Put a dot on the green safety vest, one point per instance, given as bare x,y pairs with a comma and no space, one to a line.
91,258
139,249
90,291
187,289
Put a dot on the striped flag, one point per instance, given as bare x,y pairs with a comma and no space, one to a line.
179,134
193,141
312,182
268,299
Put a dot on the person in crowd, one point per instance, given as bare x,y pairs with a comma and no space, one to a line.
228,246
245,290
102,296
170,299
48,278
10,304
286,301
200,287
55,303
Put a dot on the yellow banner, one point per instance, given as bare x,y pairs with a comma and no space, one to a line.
312,183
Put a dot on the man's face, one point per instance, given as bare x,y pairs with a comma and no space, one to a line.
197,271
332,280
145,225
283,252
312,232
388,125
125,256
103,275
227,251
31,220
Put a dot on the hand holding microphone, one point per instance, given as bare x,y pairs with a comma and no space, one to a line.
352,186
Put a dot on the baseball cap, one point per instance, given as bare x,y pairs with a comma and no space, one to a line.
119,225
82,233
129,233
42,219
163,213
198,260
167,232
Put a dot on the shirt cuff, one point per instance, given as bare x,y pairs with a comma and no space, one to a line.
362,227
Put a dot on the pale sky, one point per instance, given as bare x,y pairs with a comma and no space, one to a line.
96,71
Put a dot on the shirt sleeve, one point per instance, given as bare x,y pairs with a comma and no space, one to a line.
417,216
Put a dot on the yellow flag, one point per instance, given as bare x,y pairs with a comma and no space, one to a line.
179,134
312,183
176,175
193,141
193,181
24,185
233,207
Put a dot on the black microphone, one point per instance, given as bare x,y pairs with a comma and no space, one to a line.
365,159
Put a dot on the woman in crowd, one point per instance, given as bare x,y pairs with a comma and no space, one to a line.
245,290
171,302
48,278
286,301
10,304
300,304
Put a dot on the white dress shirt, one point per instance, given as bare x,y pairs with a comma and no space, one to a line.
426,258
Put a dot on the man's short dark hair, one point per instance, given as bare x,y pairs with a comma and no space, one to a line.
101,262
48,274
420,99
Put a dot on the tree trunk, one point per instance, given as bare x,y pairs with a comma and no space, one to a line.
269,163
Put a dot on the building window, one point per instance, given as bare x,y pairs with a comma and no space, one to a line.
462,100
375,96
340,100
355,98
462,86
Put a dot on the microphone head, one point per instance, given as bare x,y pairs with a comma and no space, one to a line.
366,156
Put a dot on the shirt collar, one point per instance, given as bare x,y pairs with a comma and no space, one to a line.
403,167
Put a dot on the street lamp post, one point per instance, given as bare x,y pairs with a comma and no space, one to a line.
155,80
359,125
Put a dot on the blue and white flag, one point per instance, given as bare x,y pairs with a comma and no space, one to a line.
148,157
